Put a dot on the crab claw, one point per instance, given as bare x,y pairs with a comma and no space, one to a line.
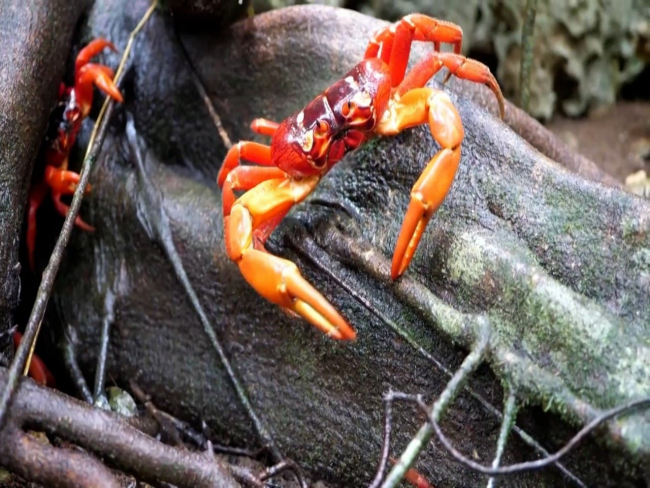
102,77
280,282
87,74
92,49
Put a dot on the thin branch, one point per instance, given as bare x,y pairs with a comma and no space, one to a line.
385,451
27,345
69,351
527,44
530,465
509,417
421,439
100,369
282,467
216,120
158,222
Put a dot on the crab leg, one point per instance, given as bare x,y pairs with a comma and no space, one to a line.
37,194
393,43
414,108
264,127
247,150
86,74
99,75
92,49
250,221
64,182
458,65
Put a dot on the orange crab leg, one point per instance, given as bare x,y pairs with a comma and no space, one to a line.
37,194
63,182
393,43
416,107
246,150
246,178
102,77
264,127
276,279
460,66
92,49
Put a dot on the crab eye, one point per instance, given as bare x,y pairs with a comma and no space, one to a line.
321,127
345,109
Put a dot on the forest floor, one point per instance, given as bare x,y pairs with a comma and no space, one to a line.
617,138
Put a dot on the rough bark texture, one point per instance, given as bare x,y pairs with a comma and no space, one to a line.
559,267
35,37
211,13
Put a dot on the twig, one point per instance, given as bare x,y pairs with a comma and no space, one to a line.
530,465
509,417
69,351
282,467
527,44
163,421
216,120
104,338
385,451
27,345
421,439
159,224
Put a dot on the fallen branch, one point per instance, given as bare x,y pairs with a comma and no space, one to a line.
101,432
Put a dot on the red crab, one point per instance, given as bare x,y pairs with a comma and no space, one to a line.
376,97
74,103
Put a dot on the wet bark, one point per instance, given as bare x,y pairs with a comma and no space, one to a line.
35,38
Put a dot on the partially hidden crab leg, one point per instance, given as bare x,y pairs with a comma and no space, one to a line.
264,127
248,222
393,43
416,107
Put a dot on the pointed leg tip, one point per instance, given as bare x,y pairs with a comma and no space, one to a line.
346,333
397,267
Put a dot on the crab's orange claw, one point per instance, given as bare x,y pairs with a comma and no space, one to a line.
62,181
92,49
103,78
247,224
279,281
99,75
